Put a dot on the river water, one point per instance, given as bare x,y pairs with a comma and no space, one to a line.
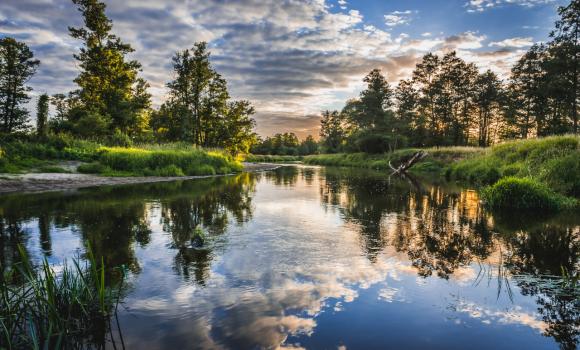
315,258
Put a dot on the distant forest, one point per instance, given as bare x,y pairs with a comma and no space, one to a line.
447,101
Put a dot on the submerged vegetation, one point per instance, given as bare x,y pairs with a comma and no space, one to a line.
45,309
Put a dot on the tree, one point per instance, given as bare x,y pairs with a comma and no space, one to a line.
17,66
308,146
332,131
488,100
528,103
111,93
42,115
566,38
193,74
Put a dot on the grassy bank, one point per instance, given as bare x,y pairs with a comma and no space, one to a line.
539,173
160,161
266,158
437,163
553,161
19,156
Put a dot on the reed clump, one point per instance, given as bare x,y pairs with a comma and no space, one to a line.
43,308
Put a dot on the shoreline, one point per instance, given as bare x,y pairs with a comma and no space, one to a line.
48,182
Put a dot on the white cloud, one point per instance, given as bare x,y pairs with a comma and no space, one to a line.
482,5
513,42
398,18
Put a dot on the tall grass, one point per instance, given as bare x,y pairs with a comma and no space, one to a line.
158,161
267,158
41,308
436,163
553,161
524,193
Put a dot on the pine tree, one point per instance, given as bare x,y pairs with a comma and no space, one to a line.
110,91
17,66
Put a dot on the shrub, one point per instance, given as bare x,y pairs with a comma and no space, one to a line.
373,143
119,139
523,193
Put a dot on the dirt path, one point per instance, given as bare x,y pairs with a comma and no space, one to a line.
43,182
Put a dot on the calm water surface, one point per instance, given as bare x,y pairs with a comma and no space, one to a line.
314,258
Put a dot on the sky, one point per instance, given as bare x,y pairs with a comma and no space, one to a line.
290,58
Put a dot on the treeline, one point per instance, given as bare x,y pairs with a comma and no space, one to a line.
112,101
449,102
286,144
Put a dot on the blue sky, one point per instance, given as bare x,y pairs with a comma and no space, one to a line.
291,58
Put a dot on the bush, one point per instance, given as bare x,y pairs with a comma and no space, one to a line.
523,193
119,139
373,143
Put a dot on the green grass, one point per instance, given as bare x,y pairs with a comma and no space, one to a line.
524,193
266,158
436,163
552,161
174,159
40,308
156,161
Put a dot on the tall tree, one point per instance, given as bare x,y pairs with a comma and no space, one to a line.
110,90
566,38
17,66
527,93
488,99
42,115
193,74
332,131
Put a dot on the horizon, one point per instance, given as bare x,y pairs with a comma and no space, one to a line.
291,60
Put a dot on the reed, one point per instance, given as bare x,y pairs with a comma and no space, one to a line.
42,308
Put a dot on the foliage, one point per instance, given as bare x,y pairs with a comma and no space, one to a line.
554,161
45,309
286,144
42,116
333,131
199,109
111,96
438,161
524,193
17,66
117,161
267,158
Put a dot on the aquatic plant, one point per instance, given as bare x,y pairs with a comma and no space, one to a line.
43,308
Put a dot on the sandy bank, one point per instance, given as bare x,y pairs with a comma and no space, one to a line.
43,182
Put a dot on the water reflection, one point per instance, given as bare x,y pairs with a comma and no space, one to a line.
294,255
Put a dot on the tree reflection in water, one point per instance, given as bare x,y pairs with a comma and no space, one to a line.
440,229
443,230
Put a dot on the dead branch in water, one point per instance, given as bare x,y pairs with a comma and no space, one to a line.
408,164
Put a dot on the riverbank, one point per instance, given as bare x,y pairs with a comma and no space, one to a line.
550,166
45,182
